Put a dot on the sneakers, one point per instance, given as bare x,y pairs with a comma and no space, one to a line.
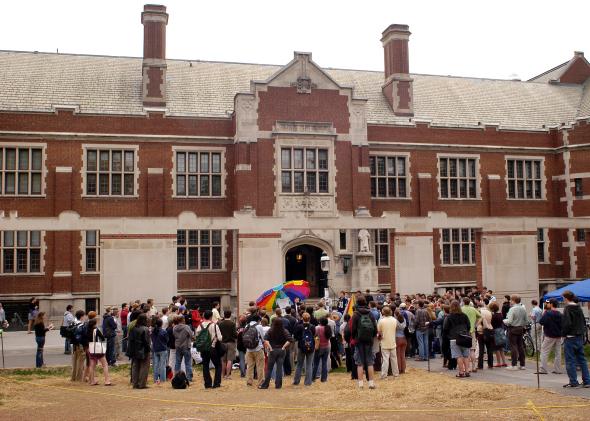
371,384
361,385
541,372
574,386
522,367
512,368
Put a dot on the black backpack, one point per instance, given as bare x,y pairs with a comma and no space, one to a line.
251,337
179,381
307,342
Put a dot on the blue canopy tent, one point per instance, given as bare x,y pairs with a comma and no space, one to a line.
580,288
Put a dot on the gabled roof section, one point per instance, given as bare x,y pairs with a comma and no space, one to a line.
302,72
576,70
585,102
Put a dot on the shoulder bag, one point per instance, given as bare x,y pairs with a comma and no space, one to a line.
97,347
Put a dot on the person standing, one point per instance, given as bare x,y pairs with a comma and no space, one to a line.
183,337
516,320
276,341
33,310
109,330
473,315
400,342
485,335
124,320
422,323
342,302
215,311
79,346
254,355
387,328
304,335
210,355
93,335
40,330
499,336
323,333
229,332
572,329
456,324
139,350
364,330
160,351
551,322
67,321
535,316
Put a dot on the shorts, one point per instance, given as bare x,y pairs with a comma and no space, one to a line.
458,351
230,355
363,354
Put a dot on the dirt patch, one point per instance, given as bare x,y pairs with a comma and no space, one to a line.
54,397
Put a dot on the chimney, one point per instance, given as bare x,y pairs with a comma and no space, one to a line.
398,83
154,19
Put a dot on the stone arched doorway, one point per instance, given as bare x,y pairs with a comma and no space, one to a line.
303,262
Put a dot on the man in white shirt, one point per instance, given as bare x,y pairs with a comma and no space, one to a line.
216,314
386,328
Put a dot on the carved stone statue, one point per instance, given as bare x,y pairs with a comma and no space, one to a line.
364,238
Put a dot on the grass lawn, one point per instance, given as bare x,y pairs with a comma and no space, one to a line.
49,395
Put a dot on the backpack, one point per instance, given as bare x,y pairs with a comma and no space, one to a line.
67,331
179,381
307,343
251,337
78,334
169,373
365,329
203,339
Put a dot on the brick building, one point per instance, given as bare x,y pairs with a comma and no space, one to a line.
127,178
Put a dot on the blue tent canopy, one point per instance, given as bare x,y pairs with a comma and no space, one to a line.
580,288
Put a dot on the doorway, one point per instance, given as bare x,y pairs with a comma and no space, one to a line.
303,263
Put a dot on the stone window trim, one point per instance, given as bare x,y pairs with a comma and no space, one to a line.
543,178
110,147
543,241
43,169
83,256
476,157
471,242
189,149
29,246
308,143
408,174
223,247
378,245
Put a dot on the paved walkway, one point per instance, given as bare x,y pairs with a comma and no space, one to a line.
552,382
20,349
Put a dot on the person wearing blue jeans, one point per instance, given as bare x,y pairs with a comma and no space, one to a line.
305,356
159,352
572,328
40,331
320,357
422,338
184,353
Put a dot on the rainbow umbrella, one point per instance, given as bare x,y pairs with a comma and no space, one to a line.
268,299
296,289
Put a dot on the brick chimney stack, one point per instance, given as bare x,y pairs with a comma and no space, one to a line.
154,19
398,83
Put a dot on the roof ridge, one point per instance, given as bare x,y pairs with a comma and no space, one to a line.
549,71
252,64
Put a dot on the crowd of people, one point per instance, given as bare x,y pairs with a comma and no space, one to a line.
378,335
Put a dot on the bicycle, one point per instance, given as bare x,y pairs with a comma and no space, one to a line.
529,343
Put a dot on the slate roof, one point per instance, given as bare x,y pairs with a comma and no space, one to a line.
112,85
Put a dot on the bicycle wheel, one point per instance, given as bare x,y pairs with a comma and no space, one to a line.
529,346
